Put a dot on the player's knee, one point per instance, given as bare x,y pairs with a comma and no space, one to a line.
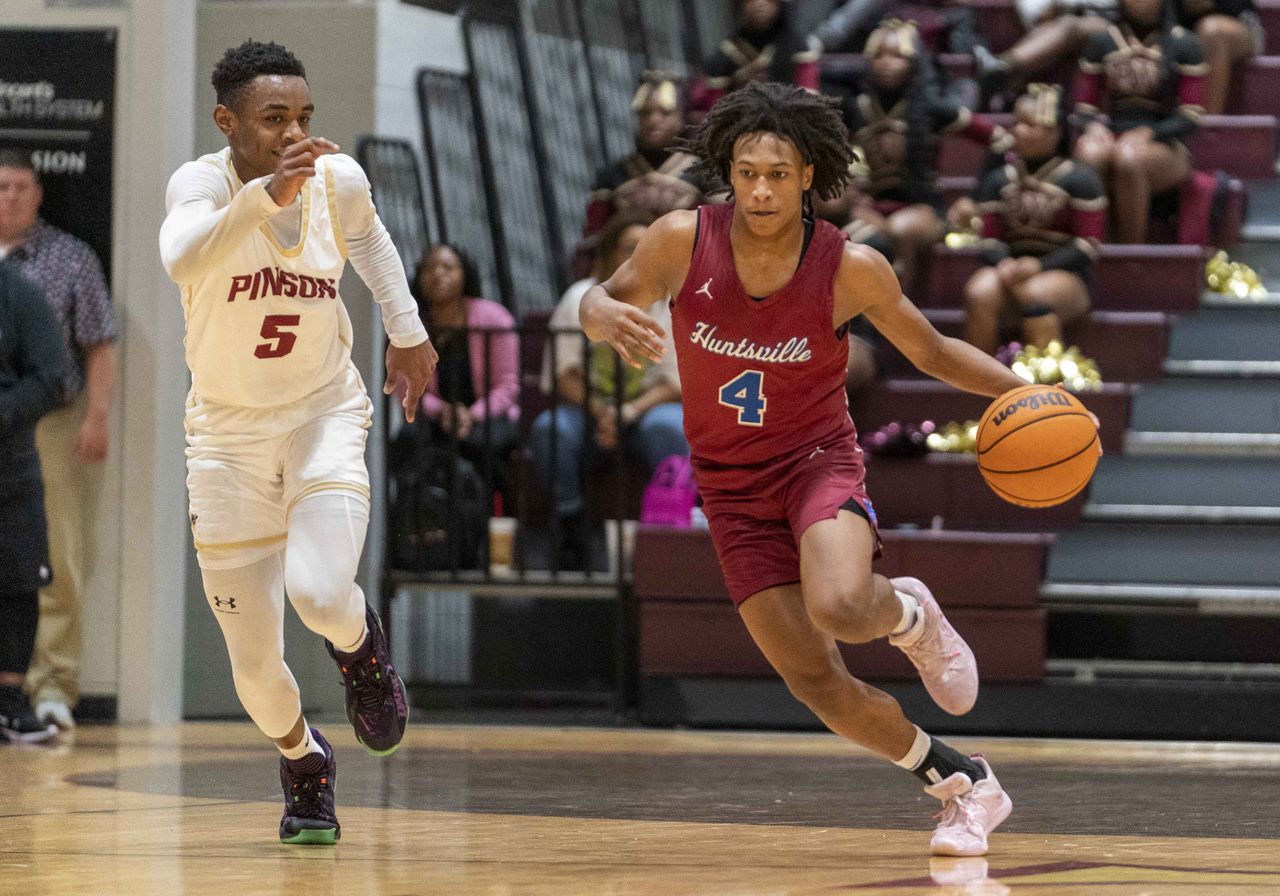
321,605
1130,160
841,612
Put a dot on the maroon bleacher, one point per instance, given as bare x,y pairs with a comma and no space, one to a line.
914,400
988,583
1128,346
1125,277
1269,12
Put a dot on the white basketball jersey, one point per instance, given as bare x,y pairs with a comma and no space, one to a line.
265,325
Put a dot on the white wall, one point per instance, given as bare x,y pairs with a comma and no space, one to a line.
141,520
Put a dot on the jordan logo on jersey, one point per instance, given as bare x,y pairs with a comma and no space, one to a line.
275,282
706,290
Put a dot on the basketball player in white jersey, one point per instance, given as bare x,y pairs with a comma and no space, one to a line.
257,237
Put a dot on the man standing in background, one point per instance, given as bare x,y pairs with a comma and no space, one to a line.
72,440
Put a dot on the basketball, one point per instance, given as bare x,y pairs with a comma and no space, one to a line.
1037,446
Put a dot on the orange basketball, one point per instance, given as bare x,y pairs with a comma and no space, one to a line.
1037,446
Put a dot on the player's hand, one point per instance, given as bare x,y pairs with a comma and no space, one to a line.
632,333
92,442
297,163
413,367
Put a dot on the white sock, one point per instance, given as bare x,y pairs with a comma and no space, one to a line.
919,750
308,744
910,614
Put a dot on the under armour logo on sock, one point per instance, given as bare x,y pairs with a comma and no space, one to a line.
223,605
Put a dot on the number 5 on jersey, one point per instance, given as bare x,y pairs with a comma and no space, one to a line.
273,328
745,392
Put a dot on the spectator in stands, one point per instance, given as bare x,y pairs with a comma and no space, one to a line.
896,122
73,439
1230,31
652,179
1042,215
1057,31
766,47
32,383
473,398
649,423
1140,92
944,26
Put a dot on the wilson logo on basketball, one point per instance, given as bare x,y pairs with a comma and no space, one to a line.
275,282
1031,403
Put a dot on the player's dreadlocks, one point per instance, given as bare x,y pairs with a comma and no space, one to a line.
810,122
240,65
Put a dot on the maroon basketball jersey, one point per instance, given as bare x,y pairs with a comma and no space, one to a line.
760,379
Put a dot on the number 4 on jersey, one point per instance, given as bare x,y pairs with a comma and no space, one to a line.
746,393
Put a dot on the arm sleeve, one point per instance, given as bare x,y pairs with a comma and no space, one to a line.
40,360
373,255
1088,223
204,222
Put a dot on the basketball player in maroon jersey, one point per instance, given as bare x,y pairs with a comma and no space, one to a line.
763,295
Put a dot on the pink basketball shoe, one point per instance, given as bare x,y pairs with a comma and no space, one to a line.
969,812
945,662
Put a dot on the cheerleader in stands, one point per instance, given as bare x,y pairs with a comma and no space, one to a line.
1141,92
1042,216
896,121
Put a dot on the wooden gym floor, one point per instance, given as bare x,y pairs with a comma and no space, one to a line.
484,810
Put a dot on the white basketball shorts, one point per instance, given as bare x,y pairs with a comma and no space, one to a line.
248,467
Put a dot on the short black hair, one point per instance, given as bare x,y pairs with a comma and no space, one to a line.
16,158
240,65
809,121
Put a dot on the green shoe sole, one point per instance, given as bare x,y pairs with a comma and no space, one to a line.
313,837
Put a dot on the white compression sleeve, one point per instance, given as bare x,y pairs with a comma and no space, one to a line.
248,603
326,535
373,255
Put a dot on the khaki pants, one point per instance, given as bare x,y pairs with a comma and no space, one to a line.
70,501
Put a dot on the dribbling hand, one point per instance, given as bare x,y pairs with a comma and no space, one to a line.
413,368
632,333
297,163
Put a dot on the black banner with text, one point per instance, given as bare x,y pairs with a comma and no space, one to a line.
57,101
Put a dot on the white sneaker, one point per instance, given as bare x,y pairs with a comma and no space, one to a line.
55,712
945,663
969,812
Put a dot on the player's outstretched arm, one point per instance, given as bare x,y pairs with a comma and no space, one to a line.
867,283
611,311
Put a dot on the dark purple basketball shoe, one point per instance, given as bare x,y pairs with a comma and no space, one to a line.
376,703
308,798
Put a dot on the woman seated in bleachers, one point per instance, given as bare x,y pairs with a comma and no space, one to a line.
1042,215
473,398
1230,32
897,122
1140,90
766,47
586,417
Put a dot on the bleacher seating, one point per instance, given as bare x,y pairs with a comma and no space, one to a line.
988,583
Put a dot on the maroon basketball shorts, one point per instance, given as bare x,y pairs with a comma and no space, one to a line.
757,514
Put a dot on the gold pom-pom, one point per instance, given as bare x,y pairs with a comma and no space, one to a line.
1231,278
955,438
1053,364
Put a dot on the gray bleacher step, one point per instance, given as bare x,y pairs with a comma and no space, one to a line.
1262,212
1209,416
1220,569
1240,341
1204,489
